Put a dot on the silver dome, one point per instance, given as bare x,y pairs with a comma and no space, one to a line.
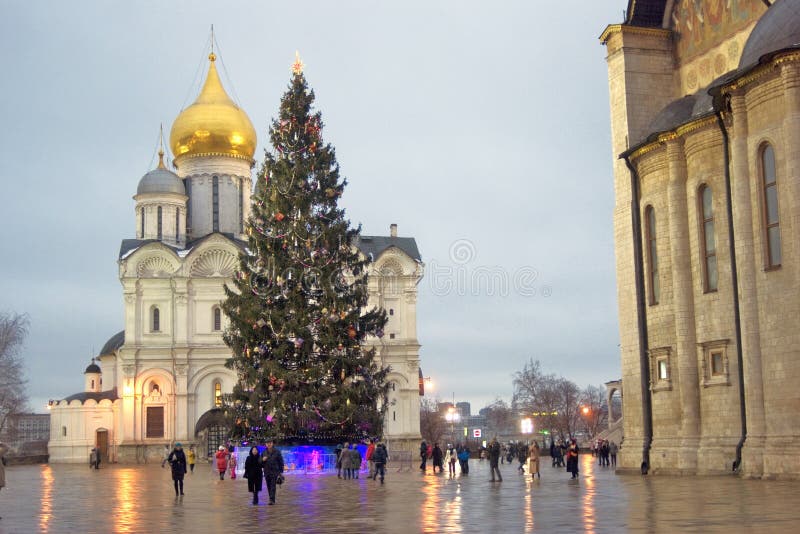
778,29
160,181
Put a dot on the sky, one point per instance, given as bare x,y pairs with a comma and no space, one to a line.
480,128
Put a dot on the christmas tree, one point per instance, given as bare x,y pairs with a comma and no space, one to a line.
297,307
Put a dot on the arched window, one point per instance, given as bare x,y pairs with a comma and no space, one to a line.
708,244
217,394
217,313
93,383
177,223
652,254
155,323
772,228
159,222
215,203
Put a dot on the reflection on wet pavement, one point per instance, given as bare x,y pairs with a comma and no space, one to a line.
73,498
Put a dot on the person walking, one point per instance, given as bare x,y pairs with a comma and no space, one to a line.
380,457
423,454
338,450
272,461
3,451
522,456
368,457
452,456
533,460
463,460
95,458
572,458
438,458
254,472
222,461
613,448
494,459
191,457
177,461
355,461
346,461
232,464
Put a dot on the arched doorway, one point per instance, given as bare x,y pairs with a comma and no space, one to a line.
211,431
101,442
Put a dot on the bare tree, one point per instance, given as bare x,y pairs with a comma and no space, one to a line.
595,418
13,391
432,425
499,416
527,386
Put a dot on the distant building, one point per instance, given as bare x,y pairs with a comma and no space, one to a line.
27,427
463,409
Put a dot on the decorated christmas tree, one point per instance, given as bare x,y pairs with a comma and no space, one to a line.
297,307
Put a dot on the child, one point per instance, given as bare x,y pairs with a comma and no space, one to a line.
232,464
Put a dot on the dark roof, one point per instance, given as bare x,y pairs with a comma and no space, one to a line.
92,368
113,343
129,245
778,29
84,396
374,245
646,13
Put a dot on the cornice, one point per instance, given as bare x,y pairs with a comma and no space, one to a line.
678,132
613,29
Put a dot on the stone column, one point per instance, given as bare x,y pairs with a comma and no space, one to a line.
181,404
791,126
746,255
682,287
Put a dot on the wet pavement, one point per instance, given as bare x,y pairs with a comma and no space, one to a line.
73,498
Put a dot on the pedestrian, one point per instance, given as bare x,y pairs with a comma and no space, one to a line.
3,451
177,461
165,455
222,461
272,461
191,457
95,458
355,461
522,456
604,453
368,457
572,458
338,451
438,458
494,459
463,458
553,451
232,464
452,459
423,454
347,461
380,457
560,452
533,460
253,472
612,451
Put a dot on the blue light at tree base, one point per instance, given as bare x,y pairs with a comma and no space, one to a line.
302,459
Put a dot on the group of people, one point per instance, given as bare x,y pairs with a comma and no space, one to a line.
191,456
452,454
349,460
606,452
565,454
225,460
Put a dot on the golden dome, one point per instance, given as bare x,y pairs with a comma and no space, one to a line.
213,124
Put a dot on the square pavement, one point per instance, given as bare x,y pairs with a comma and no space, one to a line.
140,498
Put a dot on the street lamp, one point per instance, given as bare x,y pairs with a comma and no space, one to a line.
452,417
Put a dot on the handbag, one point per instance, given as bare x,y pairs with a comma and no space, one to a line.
279,479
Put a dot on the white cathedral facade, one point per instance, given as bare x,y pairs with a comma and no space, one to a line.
161,379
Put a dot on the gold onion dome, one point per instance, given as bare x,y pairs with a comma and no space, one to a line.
213,125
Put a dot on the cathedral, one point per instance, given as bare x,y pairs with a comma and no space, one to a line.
161,379
705,123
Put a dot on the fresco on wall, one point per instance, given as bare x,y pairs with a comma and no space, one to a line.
700,25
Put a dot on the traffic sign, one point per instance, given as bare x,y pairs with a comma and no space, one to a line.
476,432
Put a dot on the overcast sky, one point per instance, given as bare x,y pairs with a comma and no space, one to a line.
480,128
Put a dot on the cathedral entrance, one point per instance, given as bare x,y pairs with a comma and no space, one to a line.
211,431
101,442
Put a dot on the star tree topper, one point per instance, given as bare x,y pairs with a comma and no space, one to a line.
297,66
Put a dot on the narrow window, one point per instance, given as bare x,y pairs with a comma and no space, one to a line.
708,240
394,415
177,224
771,219
64,431
188,186
141,236
92,384
217,318
717,364
215,204
217,394
156,320
652,254
159,223
663,370
241,205
391,311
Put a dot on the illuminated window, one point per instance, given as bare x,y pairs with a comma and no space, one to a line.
660,369
217,394
155,325
652,254
708,242
217,313
215,203
772,230
159,222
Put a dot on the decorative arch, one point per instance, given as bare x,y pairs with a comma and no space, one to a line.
214,263
197,378
155,267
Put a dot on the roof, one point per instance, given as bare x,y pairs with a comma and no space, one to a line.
778,29
92,368
130,245
374,245
113,343
646,13
160,180
83,396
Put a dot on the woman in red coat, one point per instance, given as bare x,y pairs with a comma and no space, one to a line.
222,461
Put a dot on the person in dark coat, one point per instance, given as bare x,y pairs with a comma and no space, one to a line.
380,457
438,458
494,459
572,458
423,454
272,461
253,472
177,461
